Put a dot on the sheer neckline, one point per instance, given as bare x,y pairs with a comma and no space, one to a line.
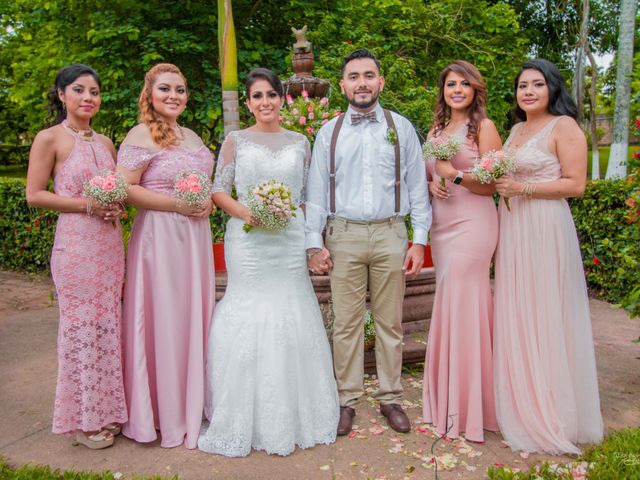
155,152
532,137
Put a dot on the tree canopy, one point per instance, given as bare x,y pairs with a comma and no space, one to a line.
121,39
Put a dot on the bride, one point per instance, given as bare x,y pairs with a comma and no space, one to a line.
270,383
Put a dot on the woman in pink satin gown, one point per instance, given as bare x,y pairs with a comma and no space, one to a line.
458,379
169,287
545,372
87,261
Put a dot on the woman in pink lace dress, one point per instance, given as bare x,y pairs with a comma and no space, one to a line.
545,371
458,378
169,289
87,262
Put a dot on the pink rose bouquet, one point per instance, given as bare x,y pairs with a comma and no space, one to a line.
106,188
493,165
441,147
272,204
192,187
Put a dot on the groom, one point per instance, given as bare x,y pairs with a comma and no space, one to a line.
366,175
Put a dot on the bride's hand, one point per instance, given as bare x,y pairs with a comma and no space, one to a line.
249,218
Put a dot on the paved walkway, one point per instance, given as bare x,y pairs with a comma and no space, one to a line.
28,325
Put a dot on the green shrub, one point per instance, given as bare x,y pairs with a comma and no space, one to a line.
27,233
606,218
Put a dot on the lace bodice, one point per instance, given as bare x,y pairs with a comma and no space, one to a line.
248,158
163,166
534,161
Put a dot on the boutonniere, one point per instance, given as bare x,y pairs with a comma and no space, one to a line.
391,137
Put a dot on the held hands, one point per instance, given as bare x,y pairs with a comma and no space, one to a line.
108,213
414,260
249,218
438,191
508,187
319,260
201,211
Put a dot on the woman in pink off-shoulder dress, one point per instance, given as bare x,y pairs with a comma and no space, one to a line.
87,261
545,372
458,379
169,287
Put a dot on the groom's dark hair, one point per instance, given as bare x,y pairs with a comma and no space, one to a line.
359,53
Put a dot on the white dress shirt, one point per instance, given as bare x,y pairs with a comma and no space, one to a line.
365,176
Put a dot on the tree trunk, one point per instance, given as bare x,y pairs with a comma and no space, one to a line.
228,67
617,167
578,77
595,152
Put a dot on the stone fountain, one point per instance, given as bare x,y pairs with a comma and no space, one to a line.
302,65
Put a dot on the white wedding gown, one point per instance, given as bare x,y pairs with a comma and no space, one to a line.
270,383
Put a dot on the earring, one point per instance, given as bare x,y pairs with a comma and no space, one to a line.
64,107
250,111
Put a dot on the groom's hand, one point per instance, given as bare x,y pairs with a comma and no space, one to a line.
319,260
414,260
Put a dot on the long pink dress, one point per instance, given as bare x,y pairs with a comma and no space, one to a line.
168,305
87,265
458,378
545,371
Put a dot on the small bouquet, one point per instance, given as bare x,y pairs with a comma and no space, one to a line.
442,147
192,187
493,165
106,188
271,202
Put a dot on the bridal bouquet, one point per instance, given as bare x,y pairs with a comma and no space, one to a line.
192,187
272,204
106,188
442,147
493,165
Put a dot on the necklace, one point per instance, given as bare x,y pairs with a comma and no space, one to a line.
87,134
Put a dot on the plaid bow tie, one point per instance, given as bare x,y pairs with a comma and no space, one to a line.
356,118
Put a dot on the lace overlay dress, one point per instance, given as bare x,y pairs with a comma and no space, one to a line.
168,305
270,383
544,362
87,265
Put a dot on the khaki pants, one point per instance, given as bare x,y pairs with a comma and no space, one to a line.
367,254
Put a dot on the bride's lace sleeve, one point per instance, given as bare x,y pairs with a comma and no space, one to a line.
305,172
226,168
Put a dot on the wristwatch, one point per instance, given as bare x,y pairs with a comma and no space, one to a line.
458,178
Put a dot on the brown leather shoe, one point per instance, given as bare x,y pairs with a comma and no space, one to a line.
346,420
396,417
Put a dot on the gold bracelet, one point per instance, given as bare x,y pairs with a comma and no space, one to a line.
528,189
89,207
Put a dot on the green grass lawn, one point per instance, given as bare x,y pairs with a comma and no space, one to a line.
13,171
604,159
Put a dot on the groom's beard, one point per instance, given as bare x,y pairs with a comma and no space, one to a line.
363,105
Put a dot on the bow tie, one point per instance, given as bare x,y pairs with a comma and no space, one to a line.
356,118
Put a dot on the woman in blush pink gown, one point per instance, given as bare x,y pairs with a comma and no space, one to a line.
87,262
169,289
458,379
545,372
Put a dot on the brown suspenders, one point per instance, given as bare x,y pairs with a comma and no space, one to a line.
332,162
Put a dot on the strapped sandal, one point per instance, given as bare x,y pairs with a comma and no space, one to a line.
113,428
96,441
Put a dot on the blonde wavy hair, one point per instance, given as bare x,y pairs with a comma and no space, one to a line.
161,133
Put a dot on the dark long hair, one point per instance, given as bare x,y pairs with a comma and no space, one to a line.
267,75
478,108
560,101
66,76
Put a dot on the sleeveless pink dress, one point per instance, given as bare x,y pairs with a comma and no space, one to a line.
168,305
458,377
87,265
545,371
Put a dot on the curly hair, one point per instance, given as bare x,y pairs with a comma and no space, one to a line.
477,110
161,133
